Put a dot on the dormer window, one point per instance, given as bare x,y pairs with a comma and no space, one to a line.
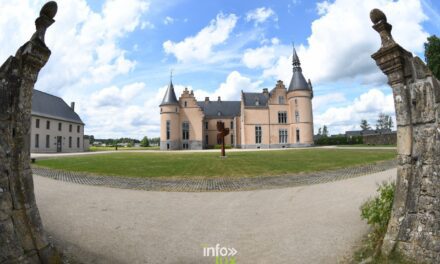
219,113
257,102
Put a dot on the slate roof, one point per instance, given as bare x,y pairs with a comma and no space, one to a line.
51,106
170,96
226,108
298,81
251,98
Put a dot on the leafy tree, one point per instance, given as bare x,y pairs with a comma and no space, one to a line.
325,131
432,55
319,131
384,122
365,125
145,142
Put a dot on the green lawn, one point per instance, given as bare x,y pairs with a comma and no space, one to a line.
93,148
209,164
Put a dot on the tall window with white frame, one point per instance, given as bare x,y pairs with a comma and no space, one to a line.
78,141
70,142
47,141
232,139
297,136
282,117
185,134
258,134
296,116
37,141
283,136
168,129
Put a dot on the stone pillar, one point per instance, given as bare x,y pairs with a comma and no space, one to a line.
22,239
414,227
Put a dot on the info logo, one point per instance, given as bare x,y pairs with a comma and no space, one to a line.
223,255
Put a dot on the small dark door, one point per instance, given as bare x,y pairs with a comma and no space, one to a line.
59,144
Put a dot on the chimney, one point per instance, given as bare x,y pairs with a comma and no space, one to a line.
72,105
265,91
219,99
206,99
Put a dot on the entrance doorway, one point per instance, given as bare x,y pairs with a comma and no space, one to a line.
59,144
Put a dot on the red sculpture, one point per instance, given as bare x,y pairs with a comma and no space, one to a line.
223,132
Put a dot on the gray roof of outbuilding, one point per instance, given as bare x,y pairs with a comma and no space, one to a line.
170,96
51,106
251,98
226,108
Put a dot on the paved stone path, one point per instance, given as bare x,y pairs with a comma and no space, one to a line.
317,223
217,184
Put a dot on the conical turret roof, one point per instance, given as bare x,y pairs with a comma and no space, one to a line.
170,96
298,81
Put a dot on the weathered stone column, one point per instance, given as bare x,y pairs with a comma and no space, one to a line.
414,227
22,239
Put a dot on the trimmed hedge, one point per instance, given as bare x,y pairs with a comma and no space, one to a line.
342,140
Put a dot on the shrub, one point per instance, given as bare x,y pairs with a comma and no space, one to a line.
339,140
218,146
377,212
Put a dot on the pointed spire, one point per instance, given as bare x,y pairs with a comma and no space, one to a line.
295,60
298,81
170,96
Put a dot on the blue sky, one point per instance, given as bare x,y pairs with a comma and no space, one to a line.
114,57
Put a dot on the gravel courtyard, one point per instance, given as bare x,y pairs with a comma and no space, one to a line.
317,223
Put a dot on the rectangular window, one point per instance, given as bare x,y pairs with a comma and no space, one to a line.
185,130
297,116
283,136
232,139
37,141
47,124
281,99
282,117
206,140
206,125
78,129
297,136
70,128
78,141
60,126
185,146
70,142
232,124
37,123
258,134
47,141
168,130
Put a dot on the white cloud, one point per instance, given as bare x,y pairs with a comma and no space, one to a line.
235,83
366,106
168,20
342,40
261,15
113,96
323,101
84,44
200,46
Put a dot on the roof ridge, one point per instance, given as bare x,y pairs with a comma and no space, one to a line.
50,94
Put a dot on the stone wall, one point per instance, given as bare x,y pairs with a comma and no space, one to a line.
414,227
22,239
381,139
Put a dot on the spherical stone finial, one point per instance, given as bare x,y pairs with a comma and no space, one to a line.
376,15
49,9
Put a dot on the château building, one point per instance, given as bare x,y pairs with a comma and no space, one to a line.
279,118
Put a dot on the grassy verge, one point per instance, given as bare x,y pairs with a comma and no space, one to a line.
370,146
377,212
93,148
209,164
